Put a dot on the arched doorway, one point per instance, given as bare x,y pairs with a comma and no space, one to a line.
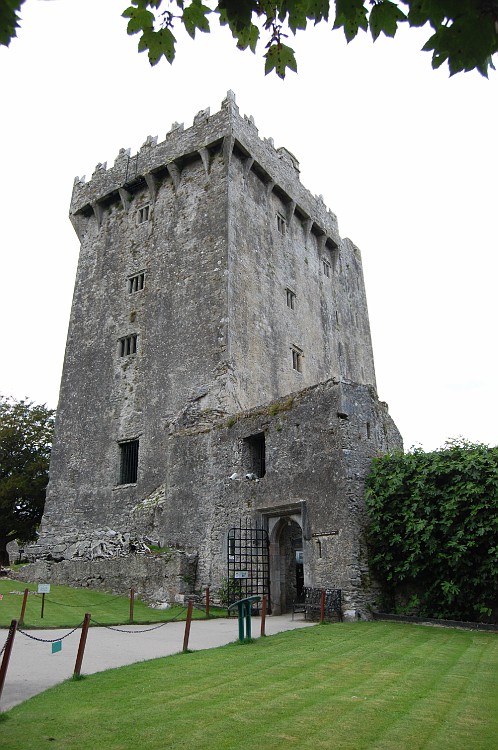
286,564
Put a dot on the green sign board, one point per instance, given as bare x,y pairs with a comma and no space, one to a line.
56,646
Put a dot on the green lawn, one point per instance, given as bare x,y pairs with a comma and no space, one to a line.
350,686
66,607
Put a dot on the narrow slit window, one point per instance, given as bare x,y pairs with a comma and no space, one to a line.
128,462
136,283
297,359
255,454
291,298
281,224
143,214
128,345
326,267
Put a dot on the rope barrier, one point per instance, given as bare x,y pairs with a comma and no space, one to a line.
49,640
133,632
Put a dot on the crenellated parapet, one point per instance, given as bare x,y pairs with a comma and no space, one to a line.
225,132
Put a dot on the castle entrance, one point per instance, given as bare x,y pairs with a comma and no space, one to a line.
286,563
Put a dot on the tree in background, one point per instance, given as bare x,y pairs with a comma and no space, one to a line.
26,431
434,531
464,32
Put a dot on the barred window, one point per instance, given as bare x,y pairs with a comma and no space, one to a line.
291,298
136,282
128,466
297,359
128,345
143,214
281,224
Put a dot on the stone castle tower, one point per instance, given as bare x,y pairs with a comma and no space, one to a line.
219,330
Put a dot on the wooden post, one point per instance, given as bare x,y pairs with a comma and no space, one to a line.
263,616
23,608
43,606
81,648
6,654
132,604
207,601
322,606
187,626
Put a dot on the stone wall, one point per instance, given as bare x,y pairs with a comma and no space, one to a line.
156,578
319,445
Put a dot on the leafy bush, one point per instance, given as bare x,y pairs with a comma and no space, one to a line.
434,531
230,591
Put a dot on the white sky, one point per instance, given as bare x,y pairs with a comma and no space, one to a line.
405,156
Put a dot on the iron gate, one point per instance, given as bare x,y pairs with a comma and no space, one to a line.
248,562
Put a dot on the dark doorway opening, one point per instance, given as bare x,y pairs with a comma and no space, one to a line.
287,569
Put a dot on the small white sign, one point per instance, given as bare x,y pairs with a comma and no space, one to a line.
44,588
241,574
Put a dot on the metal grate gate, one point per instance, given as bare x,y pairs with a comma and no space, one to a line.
248,562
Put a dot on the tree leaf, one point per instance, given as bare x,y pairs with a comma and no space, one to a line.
157,44
194,17
384,17
9,20
352,16
140,19
278,58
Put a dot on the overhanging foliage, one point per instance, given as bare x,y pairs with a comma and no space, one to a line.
462,32
434,530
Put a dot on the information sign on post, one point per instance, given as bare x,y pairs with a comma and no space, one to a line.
43,588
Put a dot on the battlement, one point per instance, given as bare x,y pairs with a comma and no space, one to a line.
226,132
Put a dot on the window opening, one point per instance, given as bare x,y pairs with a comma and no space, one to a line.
143,214
128,467
136,283
281,224
255,458
326,267
128,345
291,298
368,429
297,359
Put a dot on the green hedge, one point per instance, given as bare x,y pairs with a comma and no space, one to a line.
434,531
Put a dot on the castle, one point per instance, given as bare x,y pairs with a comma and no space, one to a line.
218,396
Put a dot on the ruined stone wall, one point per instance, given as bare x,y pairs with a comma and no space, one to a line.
319,447
156,578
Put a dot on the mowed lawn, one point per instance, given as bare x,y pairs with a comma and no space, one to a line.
345,686
66,607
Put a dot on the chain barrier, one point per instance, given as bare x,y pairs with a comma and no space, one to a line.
83,606
202,606
9,634
146,630
118,630
49,640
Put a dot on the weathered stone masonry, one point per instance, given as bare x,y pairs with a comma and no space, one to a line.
214,301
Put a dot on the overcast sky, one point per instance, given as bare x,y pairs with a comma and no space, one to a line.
404,155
